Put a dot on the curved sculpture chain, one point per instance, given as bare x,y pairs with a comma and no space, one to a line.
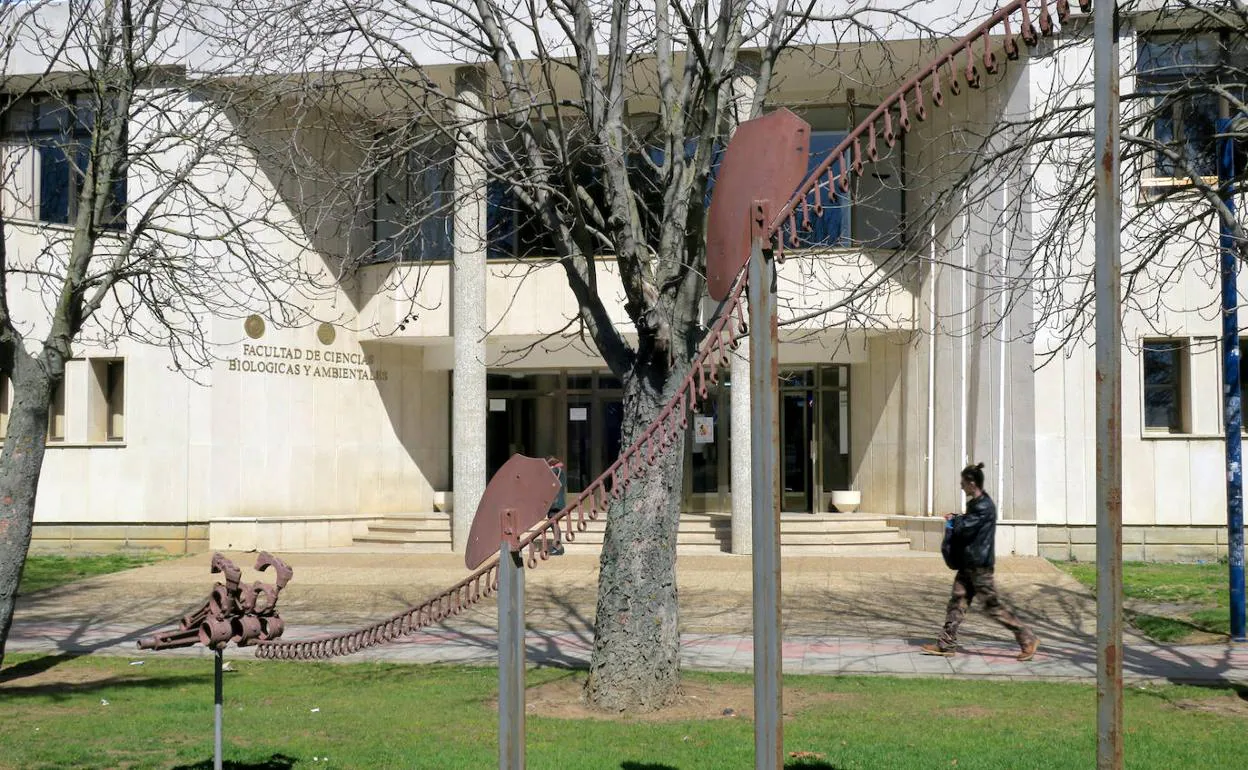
728,328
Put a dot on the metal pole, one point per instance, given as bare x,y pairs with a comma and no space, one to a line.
1232,408
218,699
1108,392
765,450
510,659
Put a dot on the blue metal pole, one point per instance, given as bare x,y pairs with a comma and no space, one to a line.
1232,411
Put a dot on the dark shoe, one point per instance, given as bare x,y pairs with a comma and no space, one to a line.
557,550
1029,649
936,649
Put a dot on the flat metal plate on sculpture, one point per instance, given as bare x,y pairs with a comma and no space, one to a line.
525,486
766,160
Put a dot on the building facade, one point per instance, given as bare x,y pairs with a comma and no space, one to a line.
445,355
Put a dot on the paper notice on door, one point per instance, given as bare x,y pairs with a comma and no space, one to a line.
578,414
703,429
498,404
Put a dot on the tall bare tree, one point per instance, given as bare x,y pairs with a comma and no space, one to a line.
604,123
149,216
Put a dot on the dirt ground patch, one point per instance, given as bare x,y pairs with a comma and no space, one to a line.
47,674
561,699
1226,705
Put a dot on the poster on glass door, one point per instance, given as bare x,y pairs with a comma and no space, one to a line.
703,429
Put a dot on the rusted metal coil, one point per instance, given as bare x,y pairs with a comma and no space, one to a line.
245,614
723,337
592,502
891,118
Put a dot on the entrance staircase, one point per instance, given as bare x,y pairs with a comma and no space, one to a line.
801,534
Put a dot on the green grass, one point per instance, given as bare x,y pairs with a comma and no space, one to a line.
159,715
1202,586
48,571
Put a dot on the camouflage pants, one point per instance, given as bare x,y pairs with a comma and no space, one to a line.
968,584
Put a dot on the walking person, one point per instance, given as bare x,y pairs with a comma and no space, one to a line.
969,548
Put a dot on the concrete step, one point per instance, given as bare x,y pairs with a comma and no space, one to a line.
409,526
364,545
431,519
698,533
881,548
839,537
682,538
404,537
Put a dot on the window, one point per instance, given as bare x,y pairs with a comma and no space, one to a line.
413,207
47,140
1179,70
869,213
56,414
514,231
1165,362
106,408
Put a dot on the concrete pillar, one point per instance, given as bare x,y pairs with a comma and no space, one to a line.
468,308
742,93
742,478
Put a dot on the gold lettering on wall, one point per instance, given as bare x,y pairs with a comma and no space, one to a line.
306,362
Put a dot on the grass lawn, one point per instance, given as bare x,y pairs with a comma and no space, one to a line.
48,571
1169,602
102,712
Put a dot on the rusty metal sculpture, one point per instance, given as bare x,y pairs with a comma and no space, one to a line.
1005,29
233,612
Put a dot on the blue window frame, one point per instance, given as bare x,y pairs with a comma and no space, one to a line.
833,227
1177,70
413,208
515,231
59,129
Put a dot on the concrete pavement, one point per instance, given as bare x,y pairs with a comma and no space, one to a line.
841,615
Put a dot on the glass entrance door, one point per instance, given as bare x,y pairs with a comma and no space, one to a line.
797,442
814,436
510,427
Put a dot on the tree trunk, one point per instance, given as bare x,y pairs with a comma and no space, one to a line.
20,463
635,664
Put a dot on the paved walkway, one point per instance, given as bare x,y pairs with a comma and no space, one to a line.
840,615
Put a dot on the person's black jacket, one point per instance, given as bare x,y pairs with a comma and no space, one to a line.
971,543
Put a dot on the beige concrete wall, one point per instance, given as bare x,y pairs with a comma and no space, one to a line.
1139,543
191,537
285,422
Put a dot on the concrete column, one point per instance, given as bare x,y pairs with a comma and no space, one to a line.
742,478
743,84
468,308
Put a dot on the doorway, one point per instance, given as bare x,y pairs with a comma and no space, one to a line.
814,437
577,417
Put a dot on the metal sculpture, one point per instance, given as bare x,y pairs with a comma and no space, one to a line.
749,231
245,615
891,119
517,498
233,612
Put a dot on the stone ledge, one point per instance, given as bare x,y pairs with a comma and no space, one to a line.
1014,537
286,533
1139,543
119,536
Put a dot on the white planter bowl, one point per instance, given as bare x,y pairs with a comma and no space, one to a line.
846,500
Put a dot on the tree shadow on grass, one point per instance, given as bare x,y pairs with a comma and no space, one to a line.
801,764
275,762
35,666
12,676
